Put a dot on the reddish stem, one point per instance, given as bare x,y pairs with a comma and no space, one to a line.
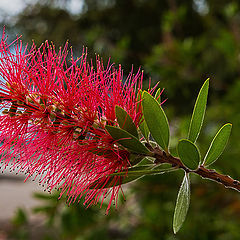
227,181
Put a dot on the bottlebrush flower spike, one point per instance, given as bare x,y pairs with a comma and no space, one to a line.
54,118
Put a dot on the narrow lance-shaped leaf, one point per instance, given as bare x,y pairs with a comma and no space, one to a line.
188,153
218,144
132,174
144,170
112,181
143,126
158,95
135,158
198,113
139,101
182,204
156,120
144,129
127,140
125,121
124,177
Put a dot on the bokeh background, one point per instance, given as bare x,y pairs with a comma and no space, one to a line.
177,42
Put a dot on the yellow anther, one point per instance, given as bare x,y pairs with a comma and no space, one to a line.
5,111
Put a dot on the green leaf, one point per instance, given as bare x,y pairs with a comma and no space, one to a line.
182,204
100,151
143,126
146,160
158,95
198,113
136,170
139,101
113,181
188,153
156,120
144,129
135,158
142,170
218,144
132,174
125,121
127,140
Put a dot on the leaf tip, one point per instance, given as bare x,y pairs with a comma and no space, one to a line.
144,92
117,107
175,230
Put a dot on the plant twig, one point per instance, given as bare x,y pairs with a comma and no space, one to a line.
227,181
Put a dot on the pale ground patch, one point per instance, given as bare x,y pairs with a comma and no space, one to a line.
15,193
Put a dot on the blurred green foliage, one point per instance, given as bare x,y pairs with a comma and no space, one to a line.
179,43
20,225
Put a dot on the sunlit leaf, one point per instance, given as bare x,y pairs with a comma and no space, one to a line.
144,129
139,101
129,175
156,120
127,140
142,170
188,153
145,161
198,113
218,144
125,121
143,126
135,158
158,95
182,204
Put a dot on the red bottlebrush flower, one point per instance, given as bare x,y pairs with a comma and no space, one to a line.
55,113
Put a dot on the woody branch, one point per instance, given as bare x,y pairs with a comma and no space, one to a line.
227,181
